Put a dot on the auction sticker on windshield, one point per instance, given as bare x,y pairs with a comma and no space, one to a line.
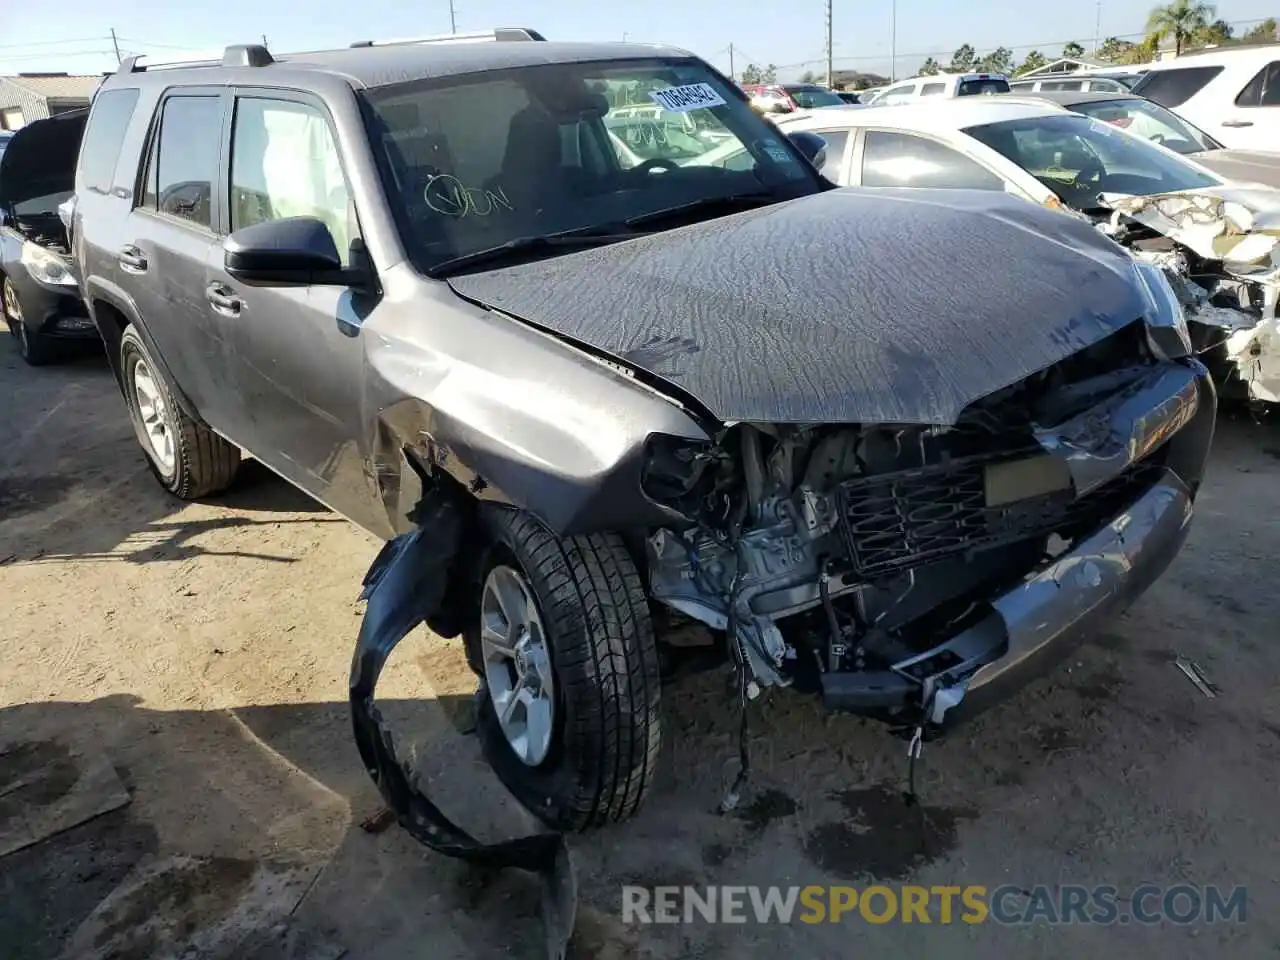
691,96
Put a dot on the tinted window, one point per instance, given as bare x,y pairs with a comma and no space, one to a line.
810,97
475,161
932,89
183,166
1078,158
1174,87
903,160
284,163
103,136
906,90
1149,120
1062,85
1263,90
990,85
832,167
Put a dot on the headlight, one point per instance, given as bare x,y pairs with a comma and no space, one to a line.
1166,323
46,267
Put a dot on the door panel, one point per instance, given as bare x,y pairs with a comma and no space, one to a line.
167,246
297,352
1252,121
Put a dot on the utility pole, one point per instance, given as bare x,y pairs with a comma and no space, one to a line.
264,39
116,43
829,70
732,76
453,19
893,40
1097,31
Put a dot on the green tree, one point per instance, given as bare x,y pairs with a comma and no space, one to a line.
1113,50
1034,61
808,77
1212,35
999,60
964,59
755,74
1265,32
1073,50
1179,20
1143,52
929,68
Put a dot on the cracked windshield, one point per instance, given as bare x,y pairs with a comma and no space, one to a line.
566,148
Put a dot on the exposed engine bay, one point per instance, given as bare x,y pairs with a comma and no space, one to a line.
44,230
1220,251
825,551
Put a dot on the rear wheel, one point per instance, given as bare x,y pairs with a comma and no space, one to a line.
189,459
569,704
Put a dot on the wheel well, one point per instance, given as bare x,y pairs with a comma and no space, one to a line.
111,324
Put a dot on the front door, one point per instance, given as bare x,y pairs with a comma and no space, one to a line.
297,352
1252,121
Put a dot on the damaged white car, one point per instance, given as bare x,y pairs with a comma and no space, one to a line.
1213,238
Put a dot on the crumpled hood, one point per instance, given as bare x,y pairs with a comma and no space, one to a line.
851,305
40,159
1237,224
1245,166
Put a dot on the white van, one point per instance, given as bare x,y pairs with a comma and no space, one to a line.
1077,82
942,85
1231,93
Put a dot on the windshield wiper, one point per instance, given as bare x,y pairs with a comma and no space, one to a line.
522,246
734,201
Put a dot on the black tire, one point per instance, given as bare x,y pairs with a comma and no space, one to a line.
204,463
34,349
606,728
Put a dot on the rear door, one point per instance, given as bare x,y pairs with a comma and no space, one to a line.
893,158
297,353
168,239
1252,120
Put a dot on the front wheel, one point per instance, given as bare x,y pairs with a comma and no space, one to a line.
34,349
189,459
569,703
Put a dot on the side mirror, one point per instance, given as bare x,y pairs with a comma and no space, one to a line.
289,252
811,145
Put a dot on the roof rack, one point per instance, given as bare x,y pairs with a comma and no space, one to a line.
236,55
504,34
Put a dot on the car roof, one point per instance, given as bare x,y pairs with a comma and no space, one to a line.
1218,56
377,66
949,114
1079,96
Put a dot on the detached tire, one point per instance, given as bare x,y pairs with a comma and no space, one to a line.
593,618
189,459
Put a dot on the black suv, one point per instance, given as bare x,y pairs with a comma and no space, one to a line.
582,393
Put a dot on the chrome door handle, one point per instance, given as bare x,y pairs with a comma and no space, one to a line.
1237,123
132,259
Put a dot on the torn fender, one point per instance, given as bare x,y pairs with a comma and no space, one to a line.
405,584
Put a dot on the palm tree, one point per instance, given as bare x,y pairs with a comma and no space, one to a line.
1179,19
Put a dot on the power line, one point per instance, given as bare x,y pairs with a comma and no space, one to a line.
49,43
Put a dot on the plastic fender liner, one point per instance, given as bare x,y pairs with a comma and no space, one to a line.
405,584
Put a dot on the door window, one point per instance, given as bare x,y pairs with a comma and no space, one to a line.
1263,90
1175,86
833,165
903,160
284,163
183,163
933,89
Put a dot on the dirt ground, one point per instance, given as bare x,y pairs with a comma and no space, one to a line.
184,668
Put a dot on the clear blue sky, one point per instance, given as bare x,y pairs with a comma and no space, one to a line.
73,35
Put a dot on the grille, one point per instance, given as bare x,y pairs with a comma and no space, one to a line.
892,522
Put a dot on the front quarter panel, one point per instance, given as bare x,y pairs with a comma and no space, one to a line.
514,415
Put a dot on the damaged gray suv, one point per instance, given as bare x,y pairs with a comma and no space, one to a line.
595,389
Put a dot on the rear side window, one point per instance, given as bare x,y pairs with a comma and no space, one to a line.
1071,85
104,135
183,163
1173,88
834,163
991,85
1263,90
903,160
932,89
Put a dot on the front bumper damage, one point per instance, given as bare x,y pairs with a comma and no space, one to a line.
405,586
1224,263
